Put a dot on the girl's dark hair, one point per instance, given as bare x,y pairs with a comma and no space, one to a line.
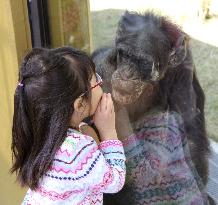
52,80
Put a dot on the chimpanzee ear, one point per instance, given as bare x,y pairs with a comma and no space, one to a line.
178,51
178,42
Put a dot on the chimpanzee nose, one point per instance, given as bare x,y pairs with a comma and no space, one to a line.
125,75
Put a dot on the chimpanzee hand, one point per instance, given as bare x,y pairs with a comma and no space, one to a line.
123,125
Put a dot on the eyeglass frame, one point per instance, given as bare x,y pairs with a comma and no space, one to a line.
99,82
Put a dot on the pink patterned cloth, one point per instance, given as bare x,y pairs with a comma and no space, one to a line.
159,166
81,172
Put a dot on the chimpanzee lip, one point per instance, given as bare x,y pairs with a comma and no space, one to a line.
121,91
127,92
124,98
121,86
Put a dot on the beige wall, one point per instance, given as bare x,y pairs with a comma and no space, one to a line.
69,22
14,42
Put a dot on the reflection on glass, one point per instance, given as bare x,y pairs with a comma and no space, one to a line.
150,71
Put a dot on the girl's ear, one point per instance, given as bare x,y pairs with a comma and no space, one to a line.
79,104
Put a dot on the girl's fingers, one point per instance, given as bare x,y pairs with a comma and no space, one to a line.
109,103
106,103
112,107
103,102
98,109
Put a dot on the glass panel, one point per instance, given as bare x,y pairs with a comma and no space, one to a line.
158,71
69,23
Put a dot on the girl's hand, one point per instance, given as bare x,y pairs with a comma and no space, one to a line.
88,130
104,118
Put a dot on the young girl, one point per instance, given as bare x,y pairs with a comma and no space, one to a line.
59,88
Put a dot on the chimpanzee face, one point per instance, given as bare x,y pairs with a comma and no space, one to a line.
147,46
132,76
142,58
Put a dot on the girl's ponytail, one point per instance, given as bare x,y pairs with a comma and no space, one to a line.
21,130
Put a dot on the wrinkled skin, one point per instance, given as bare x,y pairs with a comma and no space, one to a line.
151,66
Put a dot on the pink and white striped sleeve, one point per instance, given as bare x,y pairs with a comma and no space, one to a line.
107,167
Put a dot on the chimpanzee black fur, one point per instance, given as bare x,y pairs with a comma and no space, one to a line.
152,49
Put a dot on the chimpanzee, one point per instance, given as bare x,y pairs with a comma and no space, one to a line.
149,69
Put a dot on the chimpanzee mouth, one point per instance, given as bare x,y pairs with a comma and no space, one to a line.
126,89
123,99
124,96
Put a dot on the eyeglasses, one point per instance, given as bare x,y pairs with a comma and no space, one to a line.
99,82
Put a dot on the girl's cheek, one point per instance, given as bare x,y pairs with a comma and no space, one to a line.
101,92
97,99
93,106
